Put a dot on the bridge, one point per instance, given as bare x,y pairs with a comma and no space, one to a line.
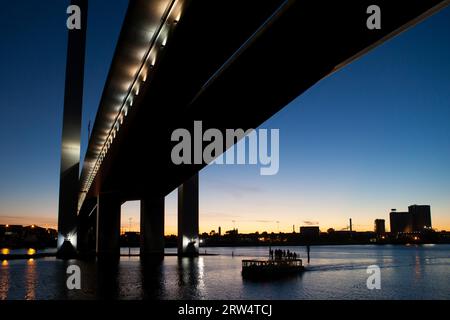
228,63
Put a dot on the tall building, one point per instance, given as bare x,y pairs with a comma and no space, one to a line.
421,215
401,221
380,227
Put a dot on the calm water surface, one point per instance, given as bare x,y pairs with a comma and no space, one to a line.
335,272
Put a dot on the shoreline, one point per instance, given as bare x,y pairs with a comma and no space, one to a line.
24,256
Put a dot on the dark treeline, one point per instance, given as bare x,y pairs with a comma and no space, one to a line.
17,236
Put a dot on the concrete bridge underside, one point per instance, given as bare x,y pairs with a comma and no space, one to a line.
231,64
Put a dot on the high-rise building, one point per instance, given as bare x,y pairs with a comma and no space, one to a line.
380,227
220,231
401,221
421,215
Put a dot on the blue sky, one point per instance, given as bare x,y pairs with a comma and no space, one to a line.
371,137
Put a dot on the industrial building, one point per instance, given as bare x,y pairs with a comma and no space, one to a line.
416,219
380,227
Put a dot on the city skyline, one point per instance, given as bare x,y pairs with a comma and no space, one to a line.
135,226
350,147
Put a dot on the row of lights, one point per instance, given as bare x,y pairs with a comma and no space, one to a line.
139,80
6,251
5,262
32,226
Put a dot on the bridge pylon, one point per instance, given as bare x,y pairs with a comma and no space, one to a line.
71,135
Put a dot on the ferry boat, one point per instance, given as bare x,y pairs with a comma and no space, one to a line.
271,268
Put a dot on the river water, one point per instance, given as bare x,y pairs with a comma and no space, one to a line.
335,272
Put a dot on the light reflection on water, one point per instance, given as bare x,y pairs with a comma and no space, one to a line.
4,280
30,280
335,272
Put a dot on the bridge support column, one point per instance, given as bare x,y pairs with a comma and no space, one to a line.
108,225
82,233
188,240
152,226
85,223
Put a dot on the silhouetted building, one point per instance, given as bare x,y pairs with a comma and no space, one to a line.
417,219
220,231
380,227
231,232
400,221
310,231
421,215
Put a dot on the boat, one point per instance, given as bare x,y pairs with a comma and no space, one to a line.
271,268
